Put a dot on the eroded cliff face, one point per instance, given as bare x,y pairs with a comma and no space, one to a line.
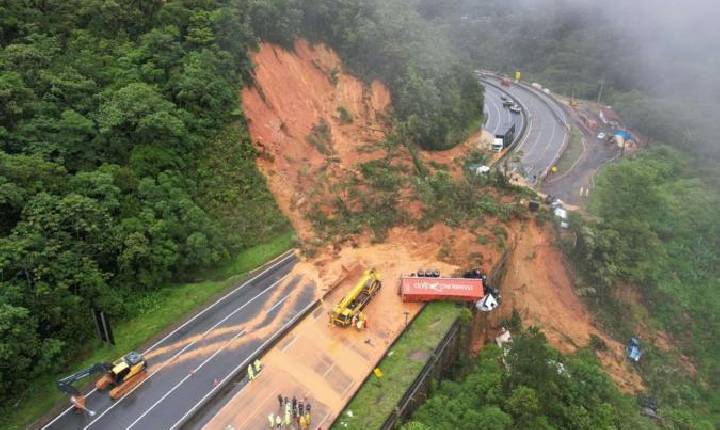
311,123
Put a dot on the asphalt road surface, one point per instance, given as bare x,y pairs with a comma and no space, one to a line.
572,187
545,135
499,118
185,366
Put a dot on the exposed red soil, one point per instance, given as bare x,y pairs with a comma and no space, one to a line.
293,92
539,286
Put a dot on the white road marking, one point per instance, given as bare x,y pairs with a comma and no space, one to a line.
273,263
171,359
182,381
240,366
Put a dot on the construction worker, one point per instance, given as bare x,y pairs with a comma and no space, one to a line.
271,419
288,414
288,417
278,421
308,417
258,366
302,422
280,401
294,406
251,374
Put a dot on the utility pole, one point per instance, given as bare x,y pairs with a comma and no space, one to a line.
602,85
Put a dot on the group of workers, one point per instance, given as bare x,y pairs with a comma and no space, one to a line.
293,414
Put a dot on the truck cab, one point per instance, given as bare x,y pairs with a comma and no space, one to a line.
498,143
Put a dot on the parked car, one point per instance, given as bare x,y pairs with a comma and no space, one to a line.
515,109
508,103
602,136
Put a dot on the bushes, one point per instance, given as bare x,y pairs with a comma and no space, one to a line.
319,137
657,230
532,386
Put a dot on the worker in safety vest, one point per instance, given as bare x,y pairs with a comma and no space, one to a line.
303,423
271,419
288,413
278,422
251,374
258,366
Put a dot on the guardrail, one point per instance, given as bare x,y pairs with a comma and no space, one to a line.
439,360
523,129
543,97
224,385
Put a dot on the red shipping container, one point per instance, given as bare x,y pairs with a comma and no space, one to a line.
414,289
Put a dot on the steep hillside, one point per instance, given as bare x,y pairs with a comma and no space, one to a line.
310,121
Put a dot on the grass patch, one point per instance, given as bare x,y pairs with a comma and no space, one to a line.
376,399
345,116
157,312
572,152
319,137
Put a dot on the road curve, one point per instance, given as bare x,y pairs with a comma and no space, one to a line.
546,133
499,118
185,366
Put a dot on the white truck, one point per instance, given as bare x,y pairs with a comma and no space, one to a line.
498,144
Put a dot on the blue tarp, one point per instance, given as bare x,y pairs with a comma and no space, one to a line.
624,134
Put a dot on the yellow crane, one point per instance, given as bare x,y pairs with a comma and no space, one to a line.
355,301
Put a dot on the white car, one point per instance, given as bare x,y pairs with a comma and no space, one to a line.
601,136
515,109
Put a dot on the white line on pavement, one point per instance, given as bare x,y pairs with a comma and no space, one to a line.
184,349
273,263
240,366
182,381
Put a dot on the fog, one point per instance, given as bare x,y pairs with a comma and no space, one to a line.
679,42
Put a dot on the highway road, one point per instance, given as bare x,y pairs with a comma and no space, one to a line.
187,364
499,118
572,187
545,135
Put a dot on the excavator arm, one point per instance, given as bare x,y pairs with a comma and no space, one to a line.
66,384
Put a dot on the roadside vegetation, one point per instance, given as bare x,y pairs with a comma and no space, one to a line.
377,397
152,314
532,386
657,230
125,163
588,49
572,153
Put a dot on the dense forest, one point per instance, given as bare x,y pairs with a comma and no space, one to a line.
124,159
656,228
653,225
529,386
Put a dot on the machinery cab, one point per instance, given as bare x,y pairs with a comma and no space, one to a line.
354,301
127,366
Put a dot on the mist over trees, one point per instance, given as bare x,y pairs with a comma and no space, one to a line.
657,60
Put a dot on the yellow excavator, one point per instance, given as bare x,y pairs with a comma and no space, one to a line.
351,306
122,375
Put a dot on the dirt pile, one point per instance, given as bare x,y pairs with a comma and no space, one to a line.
539,286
